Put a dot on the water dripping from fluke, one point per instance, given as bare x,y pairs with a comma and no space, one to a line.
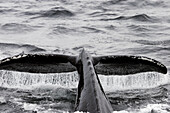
23,80
144,80
12,79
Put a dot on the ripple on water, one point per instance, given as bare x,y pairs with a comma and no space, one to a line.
138,28
139,17
137,99
149,42
148,28
15,47
79,48
102,14
44,98
144,3
58,30
91,30
16,28
7,10
113,2
57,12
142,17
146,50
136,3
62,30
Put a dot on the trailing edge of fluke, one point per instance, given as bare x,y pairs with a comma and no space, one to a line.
90,95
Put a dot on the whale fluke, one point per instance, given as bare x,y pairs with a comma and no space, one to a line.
57,63
39,63
124,65
90,96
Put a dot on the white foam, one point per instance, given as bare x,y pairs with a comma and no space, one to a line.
150,108
155,108
2,100
33,107
80,112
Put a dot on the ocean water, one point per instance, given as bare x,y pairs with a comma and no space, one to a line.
102,27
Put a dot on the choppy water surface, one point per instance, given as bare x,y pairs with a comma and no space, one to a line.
103,27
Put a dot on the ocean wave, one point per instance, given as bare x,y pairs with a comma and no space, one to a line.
138,28
6,10
147,42
135,3
24,47
122,100
142,17
57,94
63,51
16,28
103,13
31,13
75,30
39,100
150,29
139,17
79,48
62,30
112,2
10,107
144,3
57,12
148,49
32,48
91,30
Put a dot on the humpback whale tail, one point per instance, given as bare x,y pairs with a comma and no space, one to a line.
89,87
56,63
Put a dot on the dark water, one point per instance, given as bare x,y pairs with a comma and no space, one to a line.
103,27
